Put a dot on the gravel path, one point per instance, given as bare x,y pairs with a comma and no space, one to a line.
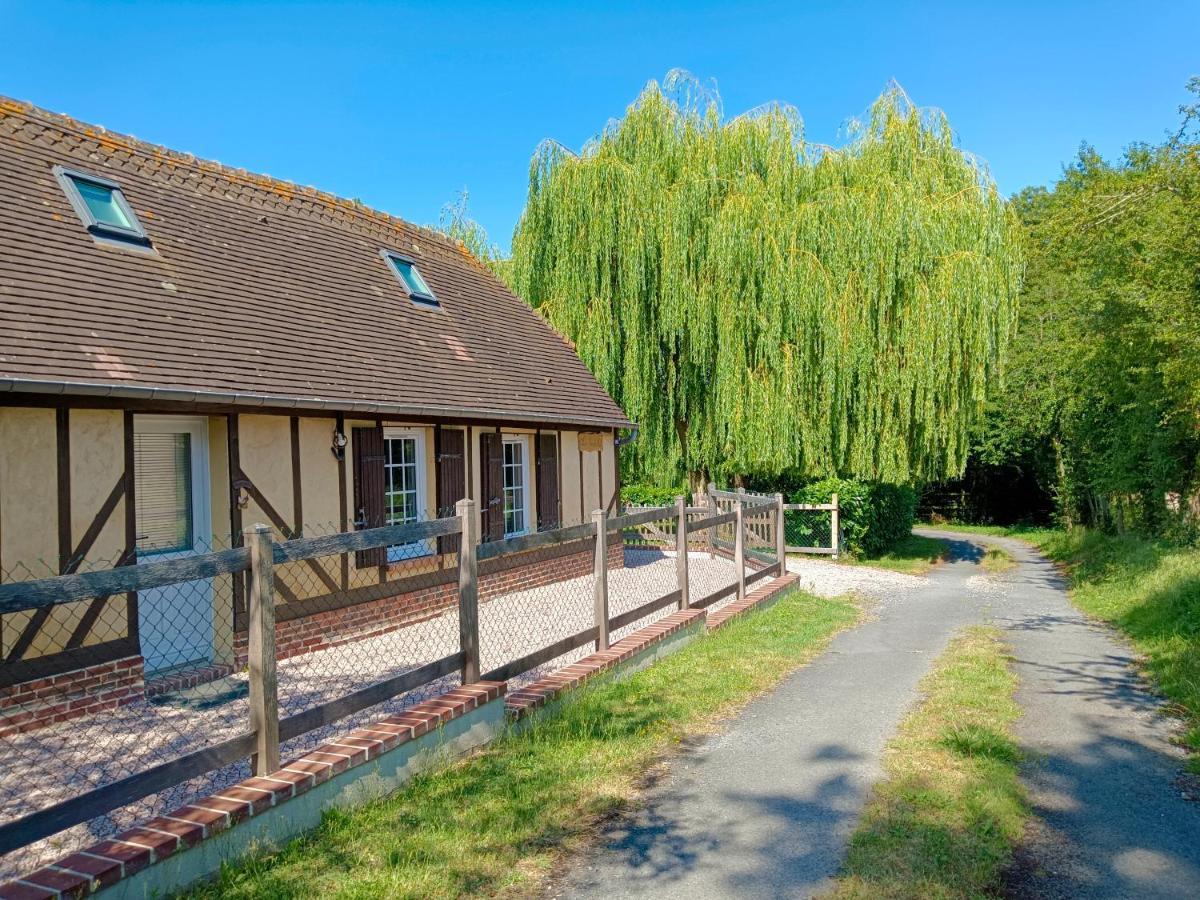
766,808
831,579
43,767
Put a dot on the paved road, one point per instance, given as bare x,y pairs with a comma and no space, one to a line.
765,808
1110,816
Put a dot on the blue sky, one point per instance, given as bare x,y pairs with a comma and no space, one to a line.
403,105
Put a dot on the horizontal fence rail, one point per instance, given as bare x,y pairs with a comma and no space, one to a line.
608,575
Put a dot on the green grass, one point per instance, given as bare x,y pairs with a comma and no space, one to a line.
498,822
996,560
944,821
1027,532
915,555
1150,591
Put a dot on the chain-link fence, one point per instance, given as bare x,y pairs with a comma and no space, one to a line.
126,689
813,527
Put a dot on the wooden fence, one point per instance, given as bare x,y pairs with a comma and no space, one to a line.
266,730
764,530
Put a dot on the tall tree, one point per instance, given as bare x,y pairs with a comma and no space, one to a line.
1106,365
758,303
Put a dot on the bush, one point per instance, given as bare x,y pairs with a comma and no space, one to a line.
874,516
651,495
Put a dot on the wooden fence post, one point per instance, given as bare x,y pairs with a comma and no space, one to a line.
600,589
264,687
739,547
835,527
468,591
681,551
781,534
716,510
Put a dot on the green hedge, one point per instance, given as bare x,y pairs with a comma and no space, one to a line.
874,516
651,495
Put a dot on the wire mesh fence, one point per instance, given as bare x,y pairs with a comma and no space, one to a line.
121,703
537,599
812,528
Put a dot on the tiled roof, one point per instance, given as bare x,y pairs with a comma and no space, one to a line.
260,291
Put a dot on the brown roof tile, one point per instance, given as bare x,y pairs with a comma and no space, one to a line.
259,291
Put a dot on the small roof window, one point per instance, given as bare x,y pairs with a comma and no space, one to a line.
410,278
101,206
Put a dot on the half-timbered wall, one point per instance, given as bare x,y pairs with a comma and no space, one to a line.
65,475
63,507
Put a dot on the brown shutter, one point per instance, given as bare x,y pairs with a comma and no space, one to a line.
451,479
368,490
491,503
548,511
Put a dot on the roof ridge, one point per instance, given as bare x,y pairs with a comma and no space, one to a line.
279,188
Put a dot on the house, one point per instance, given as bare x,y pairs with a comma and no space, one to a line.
187,349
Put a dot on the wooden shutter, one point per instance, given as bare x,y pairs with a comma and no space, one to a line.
368,490
491,501
451,479
548,502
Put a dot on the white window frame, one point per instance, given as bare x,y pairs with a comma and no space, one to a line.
403,552
196,427
526,475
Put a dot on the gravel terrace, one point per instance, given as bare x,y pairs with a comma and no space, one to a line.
43,767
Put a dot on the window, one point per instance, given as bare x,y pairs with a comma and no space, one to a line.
516,486
410,278
403,487
101,206
163,487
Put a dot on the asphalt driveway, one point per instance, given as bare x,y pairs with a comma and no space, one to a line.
765,809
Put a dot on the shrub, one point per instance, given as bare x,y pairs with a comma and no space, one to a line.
650,494
874,515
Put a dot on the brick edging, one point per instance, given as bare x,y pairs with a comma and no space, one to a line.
760,595
104,864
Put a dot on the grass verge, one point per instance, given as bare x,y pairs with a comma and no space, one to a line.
915,555
498,822
1027,532
996,560
1150,591
945,819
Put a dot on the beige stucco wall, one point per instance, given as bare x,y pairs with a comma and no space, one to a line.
319,470
28,499
29,514
265,455
570,460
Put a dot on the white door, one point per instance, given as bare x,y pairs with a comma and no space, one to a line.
174,520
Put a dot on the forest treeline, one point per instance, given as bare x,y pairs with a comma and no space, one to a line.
1099,419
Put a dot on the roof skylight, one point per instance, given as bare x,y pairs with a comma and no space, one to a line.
411,279
101,206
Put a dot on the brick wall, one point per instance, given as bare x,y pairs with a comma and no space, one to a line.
335,627
69,695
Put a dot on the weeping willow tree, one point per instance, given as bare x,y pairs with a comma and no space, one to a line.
760,304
